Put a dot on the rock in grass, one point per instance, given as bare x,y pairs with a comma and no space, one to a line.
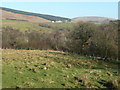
69,65
33,70
45,68
108,73
29,84
51,81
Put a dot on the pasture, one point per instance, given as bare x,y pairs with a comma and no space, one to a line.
55,69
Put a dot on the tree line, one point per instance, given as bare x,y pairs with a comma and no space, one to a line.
89,39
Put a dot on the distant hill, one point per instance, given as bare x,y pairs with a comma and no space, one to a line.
6,15
92,19
22,15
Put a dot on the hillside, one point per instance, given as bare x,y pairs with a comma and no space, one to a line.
92,19
24,25
20,17
55,69
29,15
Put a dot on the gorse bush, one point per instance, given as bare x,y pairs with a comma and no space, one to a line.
94,40
80,36
99,40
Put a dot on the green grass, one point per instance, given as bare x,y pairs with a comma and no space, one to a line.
24,25
54,69
32,26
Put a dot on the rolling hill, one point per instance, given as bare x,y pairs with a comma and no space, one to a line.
92,19
12,14
22,15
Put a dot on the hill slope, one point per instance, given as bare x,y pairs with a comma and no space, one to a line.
47,17
92,19
24,25
55,69
21,17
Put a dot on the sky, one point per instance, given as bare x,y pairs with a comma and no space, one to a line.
60,0
67,9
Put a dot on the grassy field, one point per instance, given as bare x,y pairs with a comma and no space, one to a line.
31,26
24,25
55,69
